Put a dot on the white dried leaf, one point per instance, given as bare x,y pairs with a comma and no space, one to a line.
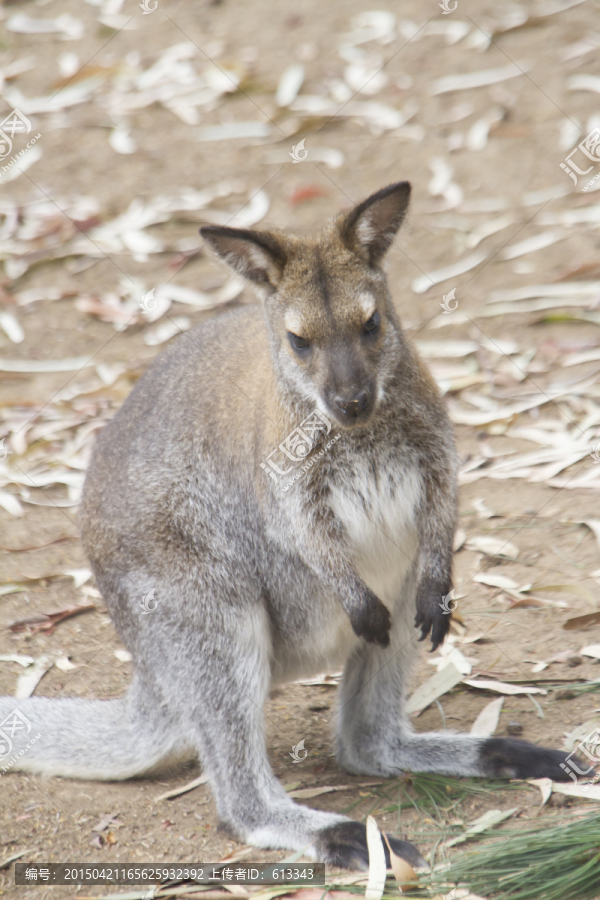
434,687
453,30
498,581
67,26
79,576
123,655
492,546
253,212
327,679
289,85
478,79
71,364
365,79
110,372
488,820
141,242
27,683
311,793
377,867
446,349
545,786
372,25
594,526
592,650
478,133
487,721
11,504
68,64
200,299
425,282
183,789
64,664
539,667
580,48
577,289
233,131
583,791
17,67
333,159
450,655
538,242
584,83
502,687
17,658
166,330
12,327
22,164
486,229
223,81
120,140
459,539
576,359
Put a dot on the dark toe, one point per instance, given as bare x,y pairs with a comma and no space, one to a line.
345,845
508,758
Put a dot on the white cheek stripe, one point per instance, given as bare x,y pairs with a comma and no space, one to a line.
293,323
367,304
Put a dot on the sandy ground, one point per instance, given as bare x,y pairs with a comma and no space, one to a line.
53,820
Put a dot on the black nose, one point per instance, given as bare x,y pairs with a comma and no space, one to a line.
354,406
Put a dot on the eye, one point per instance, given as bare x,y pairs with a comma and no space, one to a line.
297,342
372,324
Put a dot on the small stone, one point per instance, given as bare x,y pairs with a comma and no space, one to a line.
565,695
559,800
574,660
514,728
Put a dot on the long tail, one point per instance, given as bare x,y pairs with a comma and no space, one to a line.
102,740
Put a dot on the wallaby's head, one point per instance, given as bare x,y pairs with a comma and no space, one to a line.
334,334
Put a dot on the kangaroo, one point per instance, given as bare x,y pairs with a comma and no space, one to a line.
282,482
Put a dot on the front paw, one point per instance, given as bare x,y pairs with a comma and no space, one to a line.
434,606
371,620
509,758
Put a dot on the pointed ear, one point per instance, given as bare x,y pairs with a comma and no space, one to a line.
370,227
257,255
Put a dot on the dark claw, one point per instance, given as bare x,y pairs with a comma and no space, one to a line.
431,617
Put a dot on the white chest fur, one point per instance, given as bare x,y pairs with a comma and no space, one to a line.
379,516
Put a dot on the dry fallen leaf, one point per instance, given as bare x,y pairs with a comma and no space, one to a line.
487,721
488,820
492,546
583,791
581,623
27,683
404,873
434,687
46,622
182,789
377,867
502,687
309,793
545,786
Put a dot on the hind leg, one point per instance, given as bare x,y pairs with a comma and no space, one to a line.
99,740
215,677
375,735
